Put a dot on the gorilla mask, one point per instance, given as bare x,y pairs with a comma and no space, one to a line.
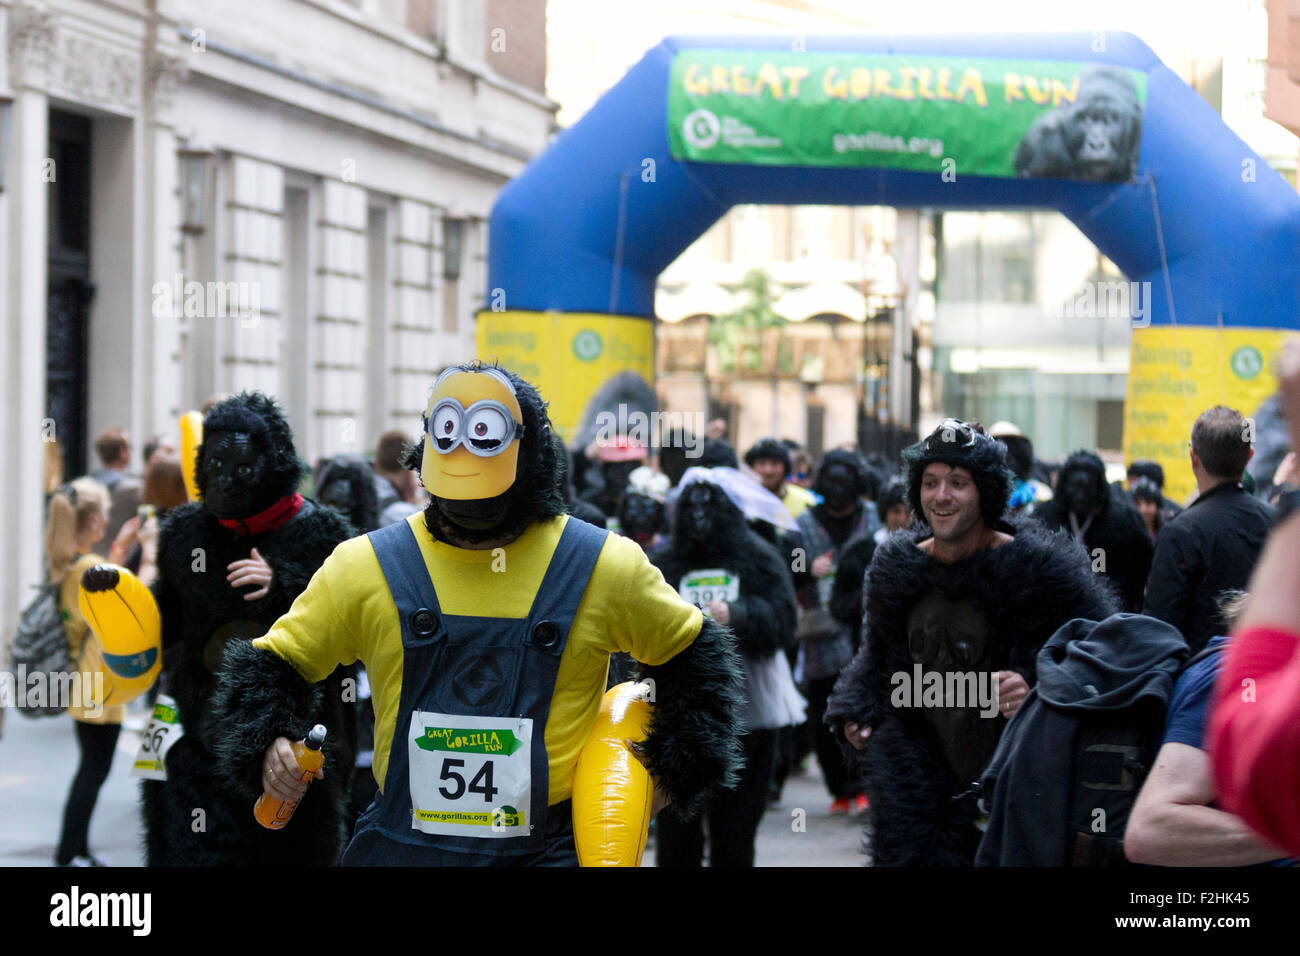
1081,485
841,480
233,467
247,460
640,517
707,524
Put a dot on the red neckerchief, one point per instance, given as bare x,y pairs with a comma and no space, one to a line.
276,516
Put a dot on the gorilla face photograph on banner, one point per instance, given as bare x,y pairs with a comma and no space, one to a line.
1094,139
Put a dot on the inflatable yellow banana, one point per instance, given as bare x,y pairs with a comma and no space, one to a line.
127,644
191,438
612,791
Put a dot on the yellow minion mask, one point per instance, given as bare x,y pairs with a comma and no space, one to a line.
471,447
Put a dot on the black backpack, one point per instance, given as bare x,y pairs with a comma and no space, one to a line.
1072,808
41,646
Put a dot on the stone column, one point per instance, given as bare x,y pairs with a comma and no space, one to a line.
24,286
161,382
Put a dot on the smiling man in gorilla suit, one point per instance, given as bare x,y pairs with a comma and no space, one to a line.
486,624
964,592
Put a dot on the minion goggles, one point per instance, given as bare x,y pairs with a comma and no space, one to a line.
471,425
486,428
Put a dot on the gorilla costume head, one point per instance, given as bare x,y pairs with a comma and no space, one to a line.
841,480
247,461
707,523
537,493
962,445
640,517
1081,485
346,483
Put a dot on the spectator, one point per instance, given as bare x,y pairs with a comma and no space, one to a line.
1254,736
1146,499
114,452
158,443
78,512
801,469
1175,821
1153,471
1104,523
1026,491
892,508
1212,546
136,545
396,490
770,460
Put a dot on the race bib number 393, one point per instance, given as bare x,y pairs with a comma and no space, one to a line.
711,584
471,776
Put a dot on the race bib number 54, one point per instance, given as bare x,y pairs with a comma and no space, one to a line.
471,776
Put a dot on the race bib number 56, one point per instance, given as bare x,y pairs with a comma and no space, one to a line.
471,776
159,737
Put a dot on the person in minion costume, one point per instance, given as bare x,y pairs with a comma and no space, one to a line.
486,624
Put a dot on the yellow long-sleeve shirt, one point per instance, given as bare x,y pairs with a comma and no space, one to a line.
347,613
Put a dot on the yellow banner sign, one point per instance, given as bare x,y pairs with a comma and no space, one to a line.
1177,372
567,355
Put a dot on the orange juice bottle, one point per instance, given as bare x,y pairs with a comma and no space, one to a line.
274,813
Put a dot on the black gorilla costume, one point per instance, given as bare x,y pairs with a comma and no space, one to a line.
247,472
346,483
991,611
1115,536
692,744
641,517
709,531
1096,138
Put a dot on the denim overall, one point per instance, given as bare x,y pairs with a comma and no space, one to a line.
480,667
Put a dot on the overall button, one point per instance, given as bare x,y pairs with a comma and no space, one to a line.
546,635
424,623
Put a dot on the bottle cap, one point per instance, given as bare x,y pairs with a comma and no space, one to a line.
316,738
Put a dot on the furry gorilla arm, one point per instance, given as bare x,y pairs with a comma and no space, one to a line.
694,741
694,733
260,697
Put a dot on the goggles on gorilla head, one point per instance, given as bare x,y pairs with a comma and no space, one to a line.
472,423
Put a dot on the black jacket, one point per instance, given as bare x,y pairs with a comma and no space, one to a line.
1210,548
1117,544
1086,669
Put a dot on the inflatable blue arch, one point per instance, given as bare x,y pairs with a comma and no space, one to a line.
1093,125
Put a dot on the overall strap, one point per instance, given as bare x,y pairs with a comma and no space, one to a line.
571,566
402,562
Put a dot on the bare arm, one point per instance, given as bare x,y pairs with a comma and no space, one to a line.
1173,825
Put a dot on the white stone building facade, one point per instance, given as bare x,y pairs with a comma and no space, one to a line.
287,195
